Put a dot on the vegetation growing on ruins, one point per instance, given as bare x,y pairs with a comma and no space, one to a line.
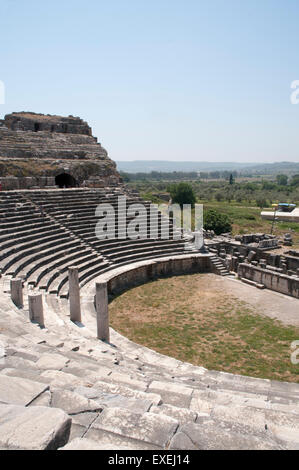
183,318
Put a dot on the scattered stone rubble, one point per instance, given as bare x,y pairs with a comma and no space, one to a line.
248,256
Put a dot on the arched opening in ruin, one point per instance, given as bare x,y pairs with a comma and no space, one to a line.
65,180
36,127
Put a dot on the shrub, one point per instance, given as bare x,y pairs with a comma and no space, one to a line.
214,220
261,202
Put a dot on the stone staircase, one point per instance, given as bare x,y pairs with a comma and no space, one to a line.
219,266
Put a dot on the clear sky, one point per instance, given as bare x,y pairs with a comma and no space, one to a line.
160,79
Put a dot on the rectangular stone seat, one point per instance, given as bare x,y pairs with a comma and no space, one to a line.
30,219
147,254
33,235
84,268
44,241
141,246
15,267
37,272
25,227
74,260
86,275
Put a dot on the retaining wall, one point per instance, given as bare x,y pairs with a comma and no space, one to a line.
125,277
275,281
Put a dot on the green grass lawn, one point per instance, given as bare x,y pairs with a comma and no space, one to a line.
184,317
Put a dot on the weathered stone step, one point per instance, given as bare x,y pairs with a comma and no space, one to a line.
43,242
102,386
95,265
36,275
33,428
24,258
89,444
156,430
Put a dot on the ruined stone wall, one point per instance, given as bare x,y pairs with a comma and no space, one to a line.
26,121
282,283
41,147
140,272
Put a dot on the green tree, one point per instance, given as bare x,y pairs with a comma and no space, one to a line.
282,180
182,193
214,220
295,180
218,196
231,179
261,202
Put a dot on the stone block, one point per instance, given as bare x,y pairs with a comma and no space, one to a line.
147,427
33,428
19,391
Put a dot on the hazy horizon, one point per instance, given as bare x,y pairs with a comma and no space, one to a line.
195,81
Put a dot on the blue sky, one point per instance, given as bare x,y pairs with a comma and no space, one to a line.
166,80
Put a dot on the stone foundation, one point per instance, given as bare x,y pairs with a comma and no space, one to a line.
126,277
282,283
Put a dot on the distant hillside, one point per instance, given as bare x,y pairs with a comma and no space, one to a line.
146,166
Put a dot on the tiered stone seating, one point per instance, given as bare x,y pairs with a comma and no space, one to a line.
76,211
60,385
39,247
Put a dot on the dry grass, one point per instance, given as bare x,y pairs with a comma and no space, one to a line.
185,317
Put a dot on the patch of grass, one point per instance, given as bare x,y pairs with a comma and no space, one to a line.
183,317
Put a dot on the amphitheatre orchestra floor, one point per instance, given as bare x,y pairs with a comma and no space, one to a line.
216,322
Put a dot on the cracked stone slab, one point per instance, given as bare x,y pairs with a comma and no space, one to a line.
52,361
282,427
104,399
147,427
181,441
33,428
123,379
172,393
89,444
211,435
182,415
19,391
33,375
14,362
61,379
81,423
73,403
126,392
42,400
